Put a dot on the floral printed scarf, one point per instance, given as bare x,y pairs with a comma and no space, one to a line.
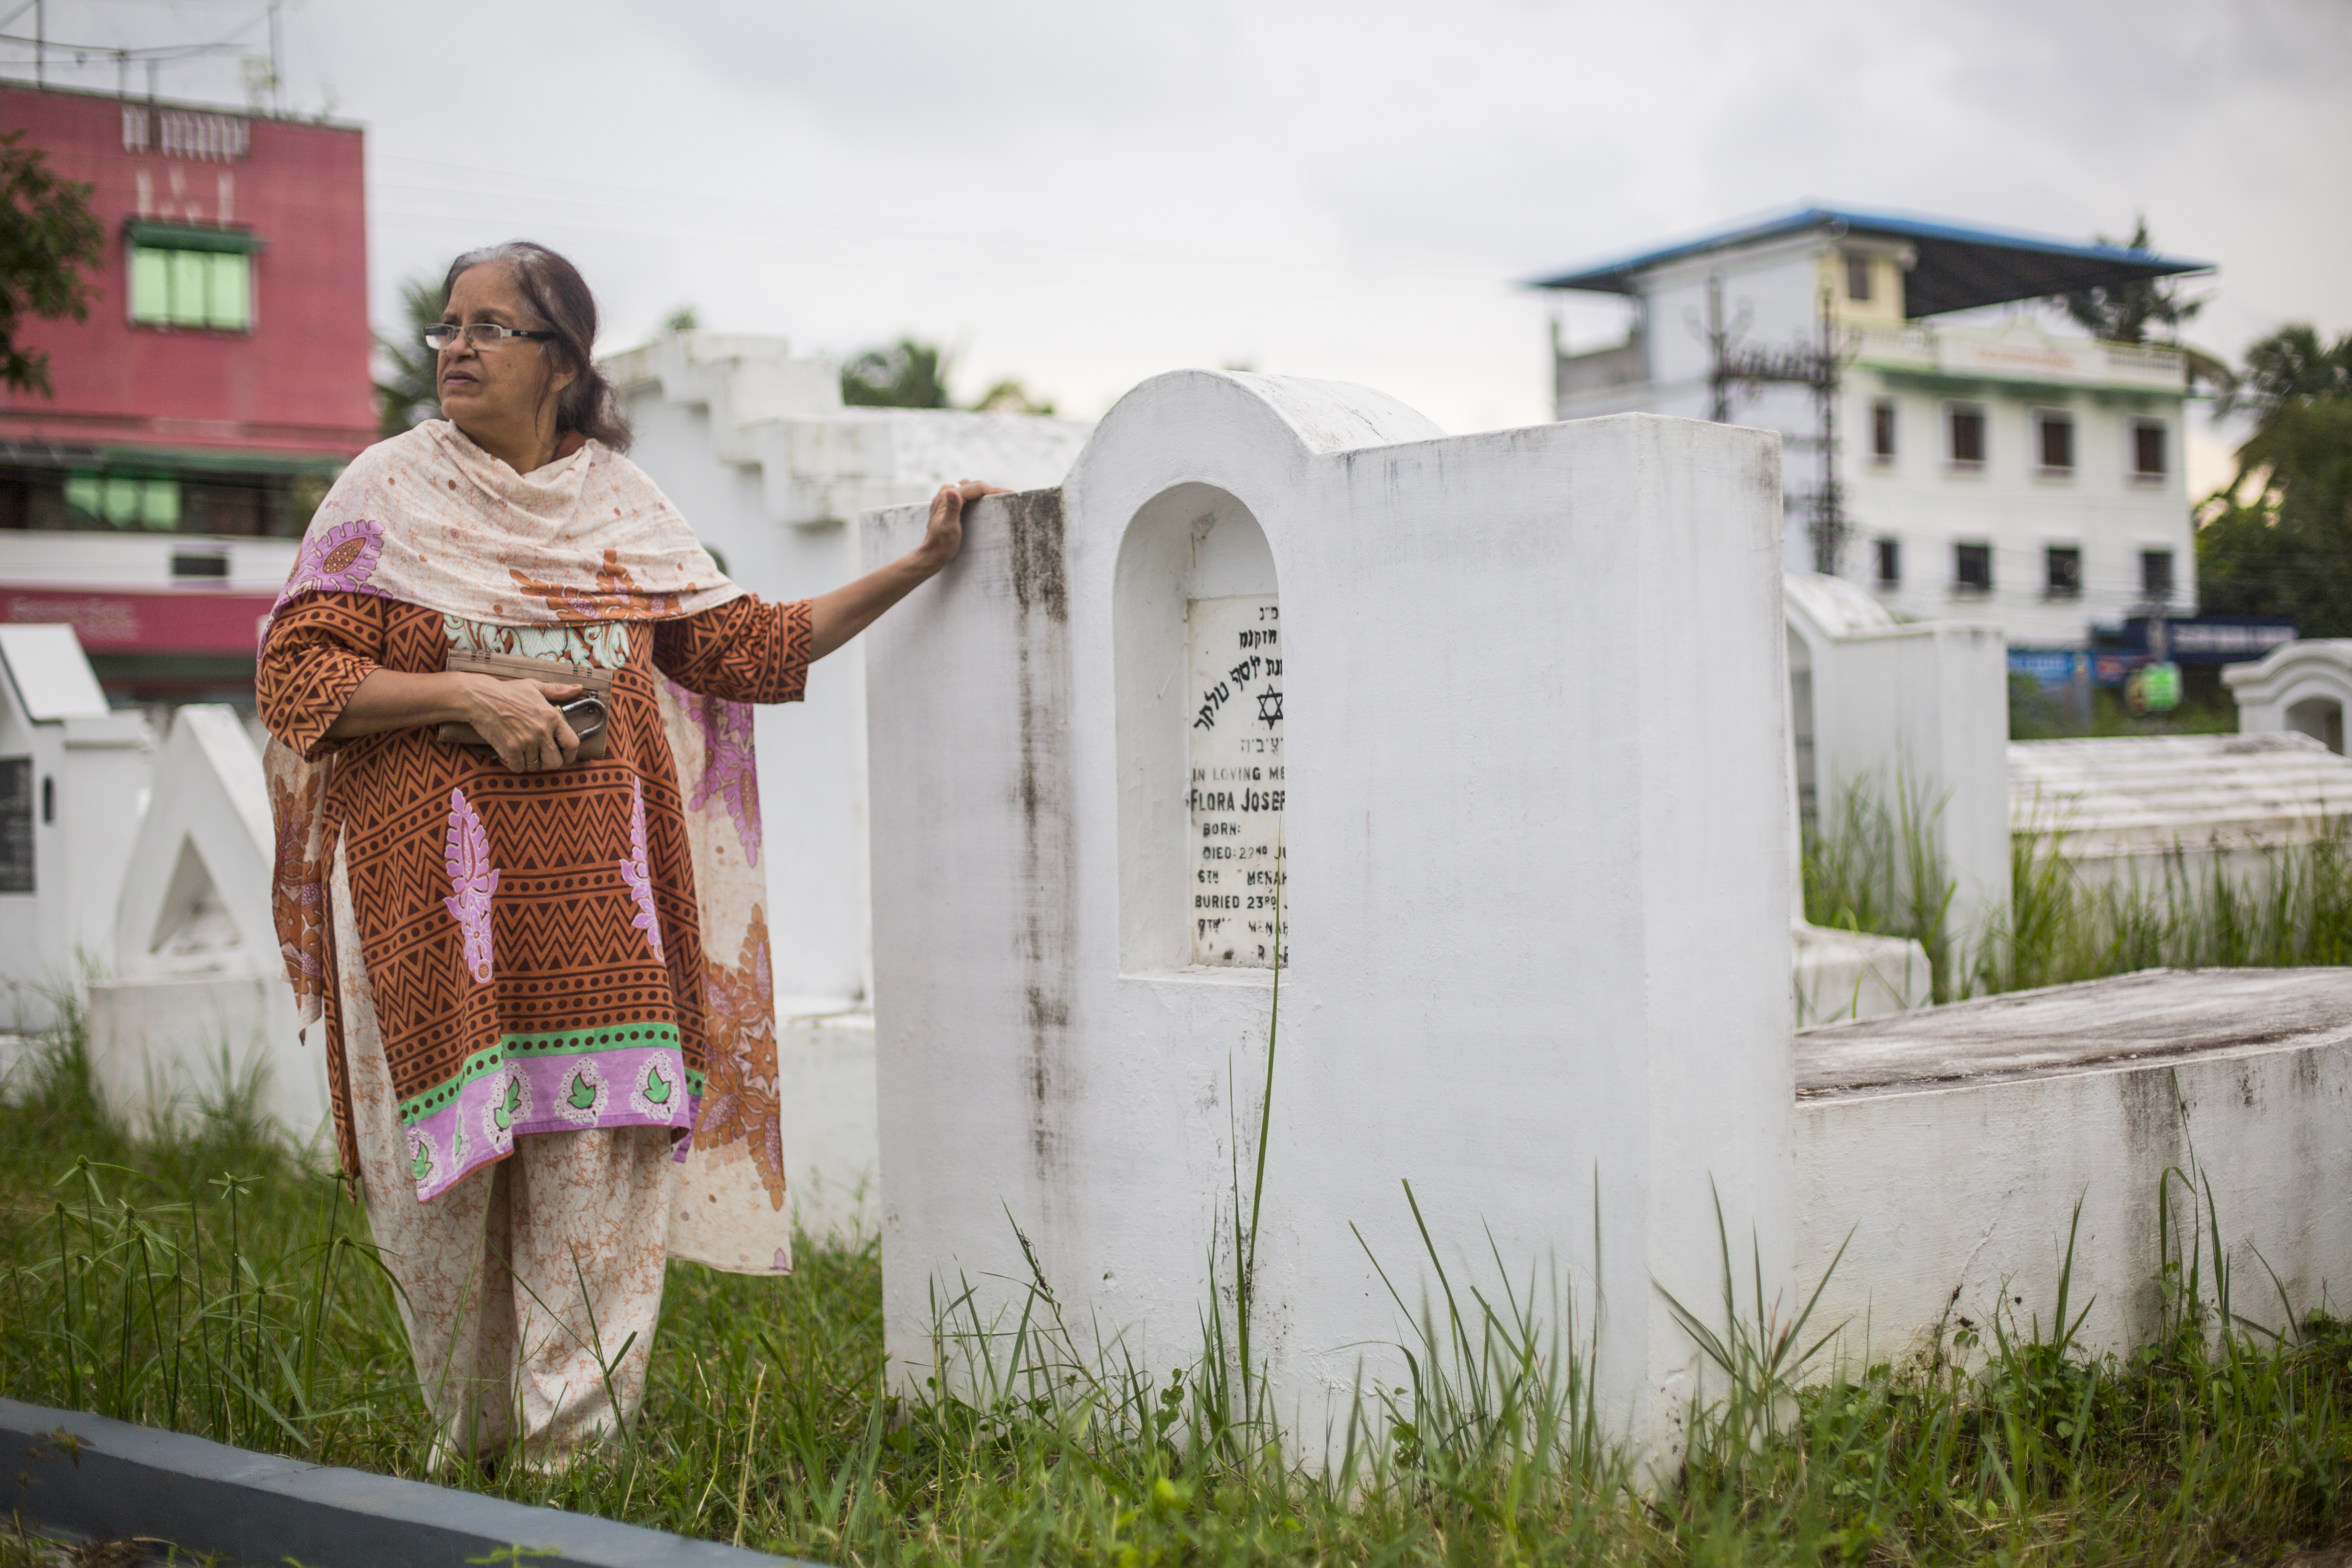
428,518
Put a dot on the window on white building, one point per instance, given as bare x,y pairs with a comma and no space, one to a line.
1857,277
2055,435
1890,562
1882,428
2149,455
2156,574
1972,568
2062,571
1966,422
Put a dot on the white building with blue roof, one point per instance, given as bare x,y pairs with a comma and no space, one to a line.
1960,462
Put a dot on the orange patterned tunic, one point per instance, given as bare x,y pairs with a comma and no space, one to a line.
532,943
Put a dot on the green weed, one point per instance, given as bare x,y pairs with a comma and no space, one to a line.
210,1279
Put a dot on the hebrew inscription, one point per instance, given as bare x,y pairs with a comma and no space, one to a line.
1236,792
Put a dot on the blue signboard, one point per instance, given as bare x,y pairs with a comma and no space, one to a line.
2058,666
2050,666
2212,639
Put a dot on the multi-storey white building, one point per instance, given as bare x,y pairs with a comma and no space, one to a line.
1985,469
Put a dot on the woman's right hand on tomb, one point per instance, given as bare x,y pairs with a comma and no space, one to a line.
517,718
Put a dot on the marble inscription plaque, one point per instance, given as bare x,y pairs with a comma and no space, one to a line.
1237,789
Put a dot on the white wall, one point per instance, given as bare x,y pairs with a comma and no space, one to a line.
1541,950
119,560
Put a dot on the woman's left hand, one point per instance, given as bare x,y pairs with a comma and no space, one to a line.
837,616
943,536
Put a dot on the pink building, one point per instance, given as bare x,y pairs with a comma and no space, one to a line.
221,382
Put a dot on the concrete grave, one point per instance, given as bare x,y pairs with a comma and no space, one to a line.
1944,1152
72,779
2304,686
1537,952
200,997
1912,715
755,446
2132,810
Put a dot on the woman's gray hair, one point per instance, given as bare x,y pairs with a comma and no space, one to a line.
555,292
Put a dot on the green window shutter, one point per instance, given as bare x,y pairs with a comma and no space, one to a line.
150,284
159,500
188,280
85,493
229,303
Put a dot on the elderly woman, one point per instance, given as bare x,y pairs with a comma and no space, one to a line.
518,836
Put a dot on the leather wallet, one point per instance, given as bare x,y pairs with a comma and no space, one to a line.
595,683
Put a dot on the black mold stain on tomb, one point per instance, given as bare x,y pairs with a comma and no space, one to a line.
1035,548
1038,580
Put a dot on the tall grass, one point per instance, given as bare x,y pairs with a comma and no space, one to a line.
209,1279
1875,867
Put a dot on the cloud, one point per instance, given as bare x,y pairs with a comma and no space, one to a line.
1084,193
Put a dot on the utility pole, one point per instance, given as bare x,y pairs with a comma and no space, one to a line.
1717,353
1816,366
277,63
40,43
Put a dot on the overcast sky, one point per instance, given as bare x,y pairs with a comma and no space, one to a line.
1082,194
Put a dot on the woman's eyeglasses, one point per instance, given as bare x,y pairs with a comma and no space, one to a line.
478,335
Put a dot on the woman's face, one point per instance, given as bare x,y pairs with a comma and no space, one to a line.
504,388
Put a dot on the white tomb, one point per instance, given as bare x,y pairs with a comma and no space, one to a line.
756,449
1941,1156
2304,686
199,1001
72,778
1912,714
1541,966
2135,811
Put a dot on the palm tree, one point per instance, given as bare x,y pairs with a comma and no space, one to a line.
407,394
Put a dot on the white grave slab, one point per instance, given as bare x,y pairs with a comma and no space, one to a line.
199,1000
2126,809
1542,965
2304,686
1945,1151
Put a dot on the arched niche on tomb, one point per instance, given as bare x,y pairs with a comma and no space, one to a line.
2321,718
2302,687
1197,648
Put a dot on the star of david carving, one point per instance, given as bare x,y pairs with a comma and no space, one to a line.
1269,707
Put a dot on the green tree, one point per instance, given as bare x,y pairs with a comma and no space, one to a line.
410,392
907,374
2127,313
912,373
2277,540
1011,396
46,238
682,319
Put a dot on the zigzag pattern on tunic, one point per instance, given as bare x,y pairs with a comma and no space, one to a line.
571,959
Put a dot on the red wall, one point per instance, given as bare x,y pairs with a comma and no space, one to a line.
298,382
